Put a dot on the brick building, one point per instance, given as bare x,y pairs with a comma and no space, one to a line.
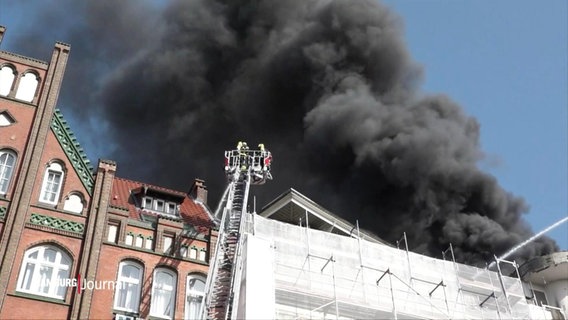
78,242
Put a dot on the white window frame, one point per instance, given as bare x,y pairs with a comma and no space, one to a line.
171,208
57,169
112,233
148,203
139,242
193,296
122,285
7,77
129,240
6,170
149,243
166,247
53,285
158,290
193,253
27,88
74,203
157,202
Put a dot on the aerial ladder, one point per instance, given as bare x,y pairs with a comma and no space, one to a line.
243,167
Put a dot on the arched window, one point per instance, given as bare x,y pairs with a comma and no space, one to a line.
27,87
163,293
74,203
45,271
52,183
129,283
195,291
7,163
7,75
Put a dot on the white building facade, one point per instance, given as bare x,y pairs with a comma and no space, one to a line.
291,271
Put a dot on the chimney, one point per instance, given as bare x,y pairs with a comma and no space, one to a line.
198,191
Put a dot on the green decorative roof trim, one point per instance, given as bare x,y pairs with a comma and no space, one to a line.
57,223
73,150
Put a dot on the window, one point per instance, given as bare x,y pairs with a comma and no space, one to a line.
163,293
183,251
129,239
7,75
139,241
193,253
149,243
74,203
6,119
7,161
129,283
112,231
168,240
540,298
45,271
159,205
52,183
202,254
194,291
148,203
171,208
27,88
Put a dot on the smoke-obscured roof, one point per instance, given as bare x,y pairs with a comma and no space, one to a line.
295,208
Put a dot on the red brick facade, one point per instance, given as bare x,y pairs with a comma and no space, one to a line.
60,219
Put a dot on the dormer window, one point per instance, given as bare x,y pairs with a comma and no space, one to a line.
160,201
160,206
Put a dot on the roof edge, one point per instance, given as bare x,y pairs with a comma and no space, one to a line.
73,150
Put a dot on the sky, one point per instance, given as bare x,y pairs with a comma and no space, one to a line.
504,62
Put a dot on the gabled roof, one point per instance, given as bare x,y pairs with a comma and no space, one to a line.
191,212
291,206
73,150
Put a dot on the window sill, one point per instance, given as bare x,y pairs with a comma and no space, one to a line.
154,317
38,298
125,313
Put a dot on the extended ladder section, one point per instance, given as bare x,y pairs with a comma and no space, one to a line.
243,167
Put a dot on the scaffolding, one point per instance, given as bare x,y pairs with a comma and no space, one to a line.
321,275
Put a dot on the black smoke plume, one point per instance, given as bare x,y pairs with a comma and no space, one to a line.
328,86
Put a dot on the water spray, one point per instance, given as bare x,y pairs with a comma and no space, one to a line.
524,243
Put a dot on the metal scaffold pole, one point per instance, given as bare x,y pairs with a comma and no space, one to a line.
497,261
407,255
361,262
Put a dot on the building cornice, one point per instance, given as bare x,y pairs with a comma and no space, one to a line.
24,60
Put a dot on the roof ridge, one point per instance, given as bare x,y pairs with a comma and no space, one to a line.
72,148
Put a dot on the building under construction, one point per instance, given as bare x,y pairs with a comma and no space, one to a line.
296,260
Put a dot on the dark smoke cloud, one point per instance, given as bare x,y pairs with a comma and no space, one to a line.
328,86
